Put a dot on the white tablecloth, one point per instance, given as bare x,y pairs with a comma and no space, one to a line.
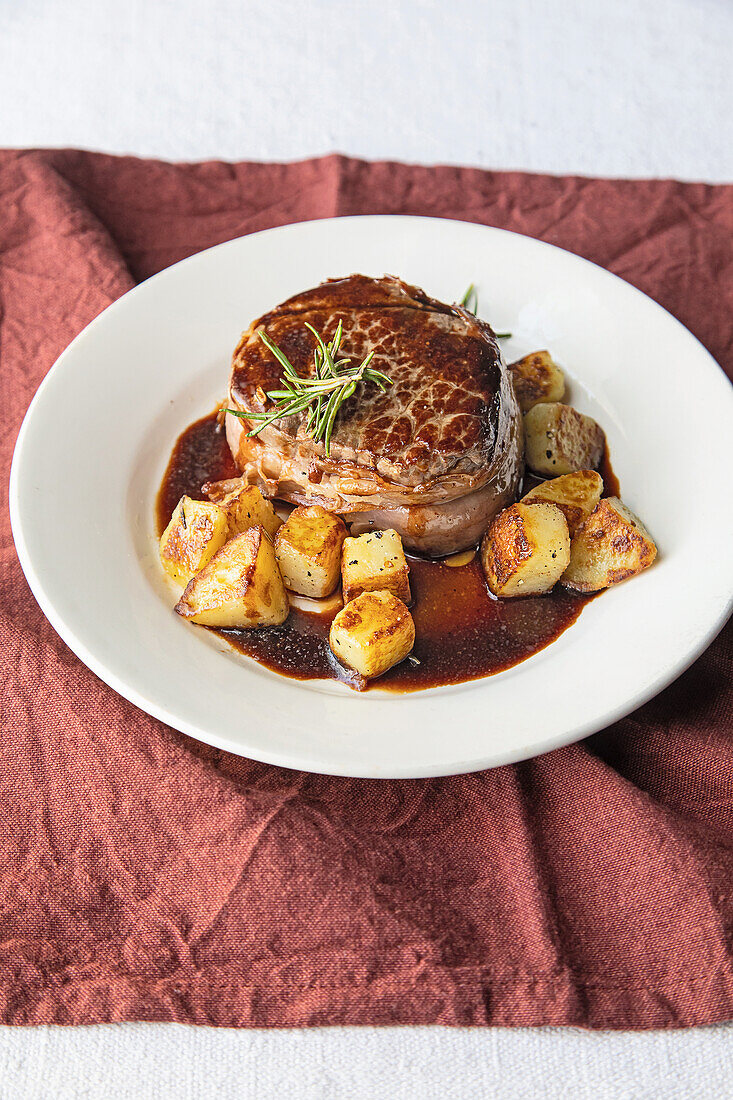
614,88
154,1061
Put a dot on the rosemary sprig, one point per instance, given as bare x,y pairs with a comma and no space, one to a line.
333,382
469,301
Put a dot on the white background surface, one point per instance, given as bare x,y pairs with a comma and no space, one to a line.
618,87
605,87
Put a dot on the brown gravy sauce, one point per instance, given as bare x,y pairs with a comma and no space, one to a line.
463,632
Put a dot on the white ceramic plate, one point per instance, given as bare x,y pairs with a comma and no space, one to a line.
97,437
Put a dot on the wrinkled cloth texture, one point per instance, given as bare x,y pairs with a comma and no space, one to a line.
144,876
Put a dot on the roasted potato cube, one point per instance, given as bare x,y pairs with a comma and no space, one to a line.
196,531
526,550
611,546
375,560
537,378
560,440
372,633
308,550
576,495
240,587
328,605
246,507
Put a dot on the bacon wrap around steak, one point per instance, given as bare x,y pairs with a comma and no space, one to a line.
435,457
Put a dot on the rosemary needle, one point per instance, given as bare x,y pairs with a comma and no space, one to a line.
469,301
322,394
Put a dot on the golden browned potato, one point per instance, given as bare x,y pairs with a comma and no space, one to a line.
537,378
196,531
611,546
372,633
308,550
246,507
560,440
240,587
375,560
526,550
576,495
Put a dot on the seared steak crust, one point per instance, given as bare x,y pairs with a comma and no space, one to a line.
448,426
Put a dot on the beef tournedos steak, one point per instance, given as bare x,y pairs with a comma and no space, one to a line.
435,457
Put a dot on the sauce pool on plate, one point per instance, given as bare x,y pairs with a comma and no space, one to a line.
462,631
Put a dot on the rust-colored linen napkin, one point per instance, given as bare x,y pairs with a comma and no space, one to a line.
146,877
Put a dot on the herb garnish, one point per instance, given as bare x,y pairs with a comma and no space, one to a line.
469,301
333,382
